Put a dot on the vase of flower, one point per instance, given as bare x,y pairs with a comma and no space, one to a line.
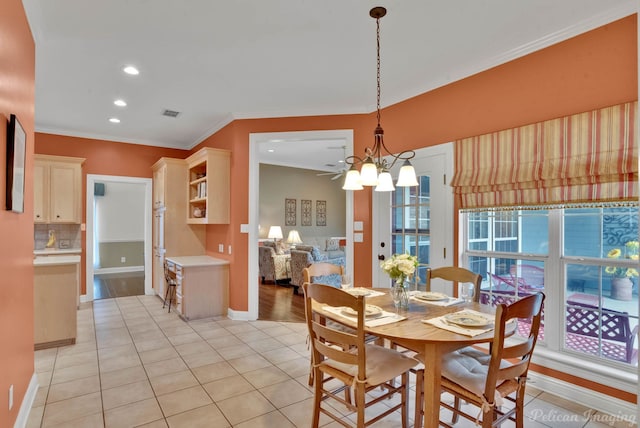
621,288
401,268
621,283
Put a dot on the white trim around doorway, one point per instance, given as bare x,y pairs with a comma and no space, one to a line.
346,137
91,180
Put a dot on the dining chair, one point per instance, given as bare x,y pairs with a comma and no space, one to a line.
344,356
171,286
487,380
456,274
315,270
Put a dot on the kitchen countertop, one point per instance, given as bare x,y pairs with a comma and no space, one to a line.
185,261
58,260
57,251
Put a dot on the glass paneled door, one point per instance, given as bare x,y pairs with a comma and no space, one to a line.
417,220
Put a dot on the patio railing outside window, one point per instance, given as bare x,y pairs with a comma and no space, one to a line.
584,258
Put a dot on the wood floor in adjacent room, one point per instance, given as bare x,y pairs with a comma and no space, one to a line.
279,303
110,285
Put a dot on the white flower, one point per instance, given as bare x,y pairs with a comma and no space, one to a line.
400,266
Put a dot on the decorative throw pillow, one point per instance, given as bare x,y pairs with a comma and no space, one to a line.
333,244
317,255
282,248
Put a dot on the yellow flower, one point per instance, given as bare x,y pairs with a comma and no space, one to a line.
615,253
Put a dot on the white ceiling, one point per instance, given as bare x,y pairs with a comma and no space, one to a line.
215,61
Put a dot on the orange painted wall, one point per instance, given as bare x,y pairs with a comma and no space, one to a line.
593,70
17,85
103,158
596,69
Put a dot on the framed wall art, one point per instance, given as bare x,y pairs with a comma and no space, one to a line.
305,212
16,152
321,213
289,212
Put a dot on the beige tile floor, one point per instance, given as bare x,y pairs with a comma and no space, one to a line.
134,364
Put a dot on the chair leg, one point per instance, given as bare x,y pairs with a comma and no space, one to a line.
166,293
417,419
172,293
360,398
317,399
404,394
456,405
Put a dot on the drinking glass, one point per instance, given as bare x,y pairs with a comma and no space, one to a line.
345,282
396,294
465,291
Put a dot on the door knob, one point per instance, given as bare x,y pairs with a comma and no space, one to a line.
381,257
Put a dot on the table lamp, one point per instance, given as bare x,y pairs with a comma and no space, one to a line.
275,233
294,238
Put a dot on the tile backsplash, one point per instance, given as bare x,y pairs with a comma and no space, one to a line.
67,235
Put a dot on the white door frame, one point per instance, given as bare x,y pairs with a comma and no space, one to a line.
381,221
147,182
346,135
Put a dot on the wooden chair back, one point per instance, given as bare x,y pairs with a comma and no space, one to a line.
320,269
456,274
527,308
328,342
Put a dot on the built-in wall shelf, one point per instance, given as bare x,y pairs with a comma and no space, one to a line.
209,186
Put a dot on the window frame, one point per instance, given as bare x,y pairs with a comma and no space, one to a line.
550,352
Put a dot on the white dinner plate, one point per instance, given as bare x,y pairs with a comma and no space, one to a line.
370,311
466,319
358,292
431,295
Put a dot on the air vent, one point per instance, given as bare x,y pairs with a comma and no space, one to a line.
170,113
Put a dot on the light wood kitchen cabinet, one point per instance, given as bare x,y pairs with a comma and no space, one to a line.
172,236
57,189
56,293
209,186
203,286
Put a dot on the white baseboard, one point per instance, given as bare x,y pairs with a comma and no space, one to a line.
125,269
27,402
239,315
618,409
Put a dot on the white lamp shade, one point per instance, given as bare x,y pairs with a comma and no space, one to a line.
294,237
352,180
275,232
385,183
369,174
407,176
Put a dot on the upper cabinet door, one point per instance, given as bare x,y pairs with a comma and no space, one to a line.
65,193
40,192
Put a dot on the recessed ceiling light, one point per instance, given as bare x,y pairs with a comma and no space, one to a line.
130,69
120,103
270,150
114,120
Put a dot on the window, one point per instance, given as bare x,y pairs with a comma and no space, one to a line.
584,259
410,224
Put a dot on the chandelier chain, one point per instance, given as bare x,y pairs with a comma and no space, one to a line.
378,68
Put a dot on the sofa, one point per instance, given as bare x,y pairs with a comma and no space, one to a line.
272,265
305,255
329,246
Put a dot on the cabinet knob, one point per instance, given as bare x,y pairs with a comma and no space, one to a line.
37,215
58,216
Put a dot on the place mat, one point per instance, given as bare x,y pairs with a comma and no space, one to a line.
442,323
385,318
366,292
444,302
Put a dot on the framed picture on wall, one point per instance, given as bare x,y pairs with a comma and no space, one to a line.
321,213
305,212
289,212
16,152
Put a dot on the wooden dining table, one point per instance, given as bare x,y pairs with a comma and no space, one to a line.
431,341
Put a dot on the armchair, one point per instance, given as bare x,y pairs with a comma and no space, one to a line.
273,266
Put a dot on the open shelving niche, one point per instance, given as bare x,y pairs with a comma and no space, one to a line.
209,178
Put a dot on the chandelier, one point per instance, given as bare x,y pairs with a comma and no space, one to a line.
374,168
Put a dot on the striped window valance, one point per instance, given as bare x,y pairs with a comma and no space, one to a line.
586,157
